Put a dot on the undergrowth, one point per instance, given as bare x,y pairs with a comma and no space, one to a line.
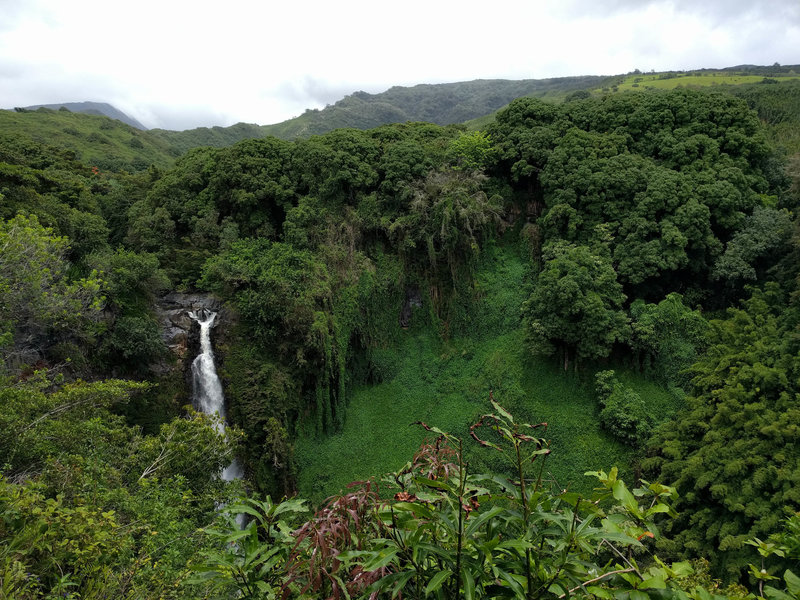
446,382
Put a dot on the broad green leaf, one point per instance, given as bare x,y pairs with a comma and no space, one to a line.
402,579
349,555
474,523
437,580
656,583
599,592
469,585
342,587
624,495
506,415
434,483
381,559
512,582
515,545
792,582
292,505
775,594
658,508
419,510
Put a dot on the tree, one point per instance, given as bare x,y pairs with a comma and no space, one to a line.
41,305
756,243
278,289
668,335
471,151
732,453
623,413
448,218
88,505
576,305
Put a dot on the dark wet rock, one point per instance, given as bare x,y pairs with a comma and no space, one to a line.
178,330
413,300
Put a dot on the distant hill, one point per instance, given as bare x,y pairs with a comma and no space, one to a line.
218,137
111,144
92,108
96,140
443,104
754,82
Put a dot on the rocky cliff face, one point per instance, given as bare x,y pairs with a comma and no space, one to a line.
180,332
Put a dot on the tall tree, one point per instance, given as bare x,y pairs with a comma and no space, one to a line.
576,305
733,454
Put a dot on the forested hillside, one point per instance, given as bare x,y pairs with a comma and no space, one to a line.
89,108
472,102
443,104
94,140
606,280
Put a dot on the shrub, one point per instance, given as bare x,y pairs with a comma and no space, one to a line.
623,412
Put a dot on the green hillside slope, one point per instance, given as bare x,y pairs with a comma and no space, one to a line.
96,140
93,108
216,137
442,104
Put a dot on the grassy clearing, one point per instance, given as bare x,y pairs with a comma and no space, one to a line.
447,384
656,80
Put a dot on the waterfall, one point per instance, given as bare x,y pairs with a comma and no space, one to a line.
207,388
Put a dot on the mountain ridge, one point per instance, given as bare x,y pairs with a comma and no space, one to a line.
92,108
472,103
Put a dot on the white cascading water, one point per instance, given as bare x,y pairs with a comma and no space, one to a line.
207,388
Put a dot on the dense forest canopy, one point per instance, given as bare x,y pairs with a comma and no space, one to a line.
655,239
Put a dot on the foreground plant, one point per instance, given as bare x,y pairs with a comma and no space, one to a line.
450,533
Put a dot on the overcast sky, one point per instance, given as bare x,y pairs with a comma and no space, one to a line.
178,64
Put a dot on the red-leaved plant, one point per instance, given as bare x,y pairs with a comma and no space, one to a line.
345,523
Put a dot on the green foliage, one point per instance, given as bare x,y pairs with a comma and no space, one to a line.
449,532
62,193
180,142
41,304
471,152
416,373
669,336
442,383
779,107
762,238
131,281
48,546
575,306
282,292
36,424
266,399
623,412
261,550
90,506
671,177
448,217
784,545
730,454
